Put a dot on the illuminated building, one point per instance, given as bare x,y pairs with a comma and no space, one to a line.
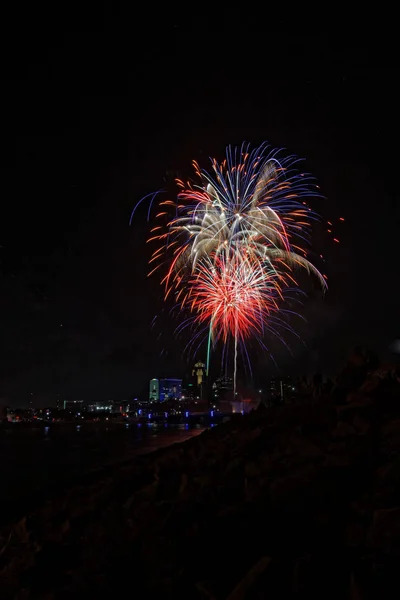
73,405
100,406
189,391
222,389
245,405
280,389
154,394
199,371
170,389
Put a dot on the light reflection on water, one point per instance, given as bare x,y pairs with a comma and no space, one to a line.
51,432
104,440
61,451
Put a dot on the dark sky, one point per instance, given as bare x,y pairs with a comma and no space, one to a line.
100,110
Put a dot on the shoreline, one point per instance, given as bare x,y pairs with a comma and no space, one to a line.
12,509
298,496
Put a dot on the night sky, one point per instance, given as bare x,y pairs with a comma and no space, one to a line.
98,113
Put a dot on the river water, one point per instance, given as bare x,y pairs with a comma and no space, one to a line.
35,457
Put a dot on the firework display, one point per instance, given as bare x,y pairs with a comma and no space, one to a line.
235,295
232,242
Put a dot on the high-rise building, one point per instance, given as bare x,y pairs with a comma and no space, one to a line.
189,391
170,389
106,406
280,389
154,394
199,372
222,390
75,406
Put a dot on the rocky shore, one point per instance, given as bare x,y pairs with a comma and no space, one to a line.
298,501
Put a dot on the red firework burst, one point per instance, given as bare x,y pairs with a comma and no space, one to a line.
235,296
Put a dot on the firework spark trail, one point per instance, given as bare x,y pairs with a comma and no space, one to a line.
235,296
233,242
255,206
235,365
209,342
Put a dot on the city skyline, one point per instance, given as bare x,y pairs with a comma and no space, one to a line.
77,308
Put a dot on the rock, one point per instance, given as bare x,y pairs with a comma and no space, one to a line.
384,533
251,470
300,451
289,490
320,575
362,426
358,399
343,429
354,535
363,408
242,589
352,451
390,438
388,485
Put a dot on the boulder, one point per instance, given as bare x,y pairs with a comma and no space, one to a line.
390,438
384,533
343,430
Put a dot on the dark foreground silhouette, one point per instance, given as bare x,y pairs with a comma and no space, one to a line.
298,501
